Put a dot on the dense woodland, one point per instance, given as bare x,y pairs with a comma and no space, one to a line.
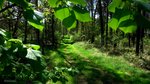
74,41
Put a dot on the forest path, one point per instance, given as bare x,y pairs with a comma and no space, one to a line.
98,68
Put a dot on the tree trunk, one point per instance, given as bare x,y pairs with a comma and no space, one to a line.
138,41
142,45
25,32
129,40
101,22
93,19
42,39
37,31
142,35
53,32
106,40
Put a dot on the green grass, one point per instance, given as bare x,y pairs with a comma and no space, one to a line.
96,67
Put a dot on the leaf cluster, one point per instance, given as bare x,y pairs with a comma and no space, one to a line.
127,15
33,16
70,11
18,61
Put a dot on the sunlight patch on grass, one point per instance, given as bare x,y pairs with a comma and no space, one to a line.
115,63
85,55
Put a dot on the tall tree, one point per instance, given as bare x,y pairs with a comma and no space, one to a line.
100,11
107,18
53,31
37,31
25,31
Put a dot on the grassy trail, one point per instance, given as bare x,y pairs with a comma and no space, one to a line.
96,67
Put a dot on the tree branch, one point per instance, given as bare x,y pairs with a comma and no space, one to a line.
10,6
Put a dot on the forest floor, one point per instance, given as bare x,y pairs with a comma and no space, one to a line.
96,67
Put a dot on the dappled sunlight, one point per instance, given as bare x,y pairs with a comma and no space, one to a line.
75,41
97,67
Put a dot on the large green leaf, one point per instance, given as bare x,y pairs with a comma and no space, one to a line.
38,15
35,47
123,14
70,22
62,13
119,16
123,19
81,2
34,18
33,54
22,3
53,3
81,14
2,32
5,34
14,44
128,26
113,23
114,4
16,41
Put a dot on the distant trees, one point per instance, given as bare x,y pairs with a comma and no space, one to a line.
128,17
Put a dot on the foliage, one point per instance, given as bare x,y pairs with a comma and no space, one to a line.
18,61
1,3
70,11
126,14
33,17
68,39
24,63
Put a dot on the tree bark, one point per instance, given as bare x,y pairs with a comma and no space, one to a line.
107,15
138,41
101,22
129,40
93,18
25,32
142,44
37,31
53,31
